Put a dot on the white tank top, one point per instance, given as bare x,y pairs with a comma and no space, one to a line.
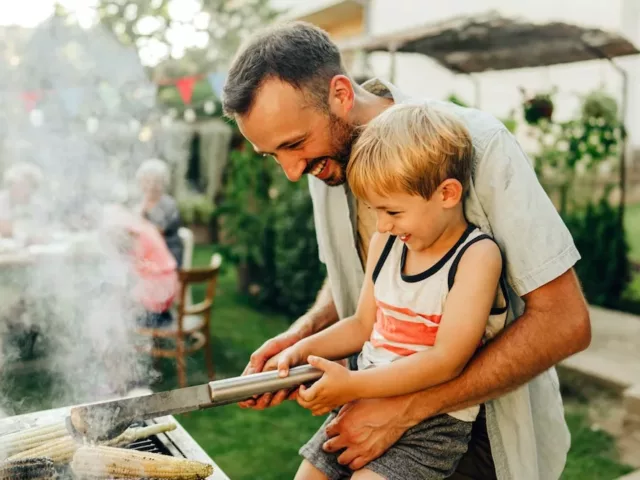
410,307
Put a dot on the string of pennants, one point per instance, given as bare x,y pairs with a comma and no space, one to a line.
72,98
186,85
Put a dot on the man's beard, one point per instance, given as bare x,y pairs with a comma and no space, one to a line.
343,135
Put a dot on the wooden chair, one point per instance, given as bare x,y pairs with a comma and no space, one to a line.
191,329
186,235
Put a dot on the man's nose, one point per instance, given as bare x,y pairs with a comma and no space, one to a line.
293,167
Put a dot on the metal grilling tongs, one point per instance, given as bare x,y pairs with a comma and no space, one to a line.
105,420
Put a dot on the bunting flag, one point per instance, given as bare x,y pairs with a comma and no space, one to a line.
31,99
216,80
185,87
72,99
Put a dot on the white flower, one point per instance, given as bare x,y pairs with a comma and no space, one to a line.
209,107
189,115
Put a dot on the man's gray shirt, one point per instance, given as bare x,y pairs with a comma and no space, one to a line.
527,430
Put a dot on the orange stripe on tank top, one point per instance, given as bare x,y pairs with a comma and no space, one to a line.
407,311
401,331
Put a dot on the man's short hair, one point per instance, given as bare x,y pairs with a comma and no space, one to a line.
410,149
297,53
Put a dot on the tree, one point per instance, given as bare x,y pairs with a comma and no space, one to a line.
209,31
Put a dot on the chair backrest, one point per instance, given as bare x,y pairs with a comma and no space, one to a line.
186,235
189,277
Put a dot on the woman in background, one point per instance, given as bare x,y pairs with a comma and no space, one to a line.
19,203
155,279
159,207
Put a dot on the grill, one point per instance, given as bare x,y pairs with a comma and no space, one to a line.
149,445
177,443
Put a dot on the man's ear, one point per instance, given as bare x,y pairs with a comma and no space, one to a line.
450,192
341,95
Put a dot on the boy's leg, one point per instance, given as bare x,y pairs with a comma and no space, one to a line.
308,472
366,474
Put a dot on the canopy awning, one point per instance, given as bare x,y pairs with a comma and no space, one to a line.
493,42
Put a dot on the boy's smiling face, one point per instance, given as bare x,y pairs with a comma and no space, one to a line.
416,221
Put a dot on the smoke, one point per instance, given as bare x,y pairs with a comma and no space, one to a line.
87,125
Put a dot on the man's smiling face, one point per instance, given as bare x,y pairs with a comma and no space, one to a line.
302,137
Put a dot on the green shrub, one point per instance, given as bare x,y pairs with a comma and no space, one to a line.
571,152
604,270
298,272
269,233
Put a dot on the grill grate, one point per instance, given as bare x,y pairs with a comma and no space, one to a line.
149,445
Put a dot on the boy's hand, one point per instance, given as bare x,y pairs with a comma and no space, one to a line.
333,390
290,357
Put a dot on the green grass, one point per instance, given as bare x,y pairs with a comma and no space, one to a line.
264,445
592,455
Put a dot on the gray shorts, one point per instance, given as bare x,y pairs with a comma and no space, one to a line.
431,450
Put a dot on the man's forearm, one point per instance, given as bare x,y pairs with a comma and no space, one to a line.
321,315
532,344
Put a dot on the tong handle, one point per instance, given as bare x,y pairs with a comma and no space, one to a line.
237,389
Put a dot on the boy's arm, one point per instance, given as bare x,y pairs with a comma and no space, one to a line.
347,336
464,319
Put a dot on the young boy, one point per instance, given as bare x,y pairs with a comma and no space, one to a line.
433,293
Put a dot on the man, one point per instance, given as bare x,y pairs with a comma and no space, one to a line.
292,99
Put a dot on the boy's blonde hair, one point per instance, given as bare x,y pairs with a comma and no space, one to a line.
411,149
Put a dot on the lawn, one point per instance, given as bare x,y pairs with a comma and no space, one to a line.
263,445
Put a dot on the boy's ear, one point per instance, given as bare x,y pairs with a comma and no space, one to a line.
450,192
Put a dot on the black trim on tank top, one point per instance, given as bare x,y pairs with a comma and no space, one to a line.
383,257
501,282
418,277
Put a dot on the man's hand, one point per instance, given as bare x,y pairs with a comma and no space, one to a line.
366,429
259,358
331,391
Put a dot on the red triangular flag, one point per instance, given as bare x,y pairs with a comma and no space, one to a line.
30,99
185,87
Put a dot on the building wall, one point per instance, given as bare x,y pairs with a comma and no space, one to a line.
499,92
351,28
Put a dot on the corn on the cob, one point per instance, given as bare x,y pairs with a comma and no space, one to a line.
62,449
110,462
30,438
27,469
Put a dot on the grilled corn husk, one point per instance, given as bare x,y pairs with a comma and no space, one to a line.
27,469
111,462
61,450
30,438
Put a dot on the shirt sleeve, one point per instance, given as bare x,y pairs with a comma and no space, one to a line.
537,244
